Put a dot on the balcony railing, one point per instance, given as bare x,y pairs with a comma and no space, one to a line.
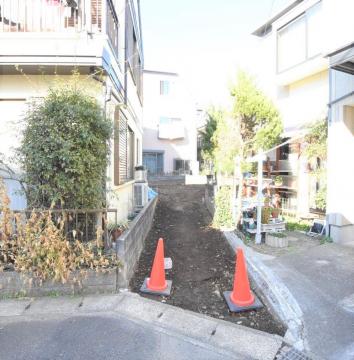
288,182
51,15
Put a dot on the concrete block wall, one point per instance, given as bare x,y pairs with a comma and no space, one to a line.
13,284
209,201
131,243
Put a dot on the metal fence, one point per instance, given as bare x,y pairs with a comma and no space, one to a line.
50,15
82,224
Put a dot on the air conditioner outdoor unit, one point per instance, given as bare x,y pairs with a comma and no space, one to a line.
140,195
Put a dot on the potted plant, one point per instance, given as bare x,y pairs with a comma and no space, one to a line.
278,180
275,212
266,211
276,239
116,230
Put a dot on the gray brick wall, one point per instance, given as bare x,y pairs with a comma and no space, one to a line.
13,284
131,243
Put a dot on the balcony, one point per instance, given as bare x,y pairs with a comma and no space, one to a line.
282,166
57,31
171,129
50,16
288,182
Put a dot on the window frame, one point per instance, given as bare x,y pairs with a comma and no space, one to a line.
165,90
304,15
124,152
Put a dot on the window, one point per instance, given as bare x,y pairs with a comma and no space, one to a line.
133,52
300,40
153,162
130,154
164,87
182,166
123,150
284,152
314,33
137,152
112,27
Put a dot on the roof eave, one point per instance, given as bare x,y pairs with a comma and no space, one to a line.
267,27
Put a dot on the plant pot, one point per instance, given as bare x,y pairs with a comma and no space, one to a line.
116,233
278,183
278,242
275,213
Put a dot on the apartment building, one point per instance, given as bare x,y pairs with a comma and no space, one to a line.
307,68
294,73
170,131
340,166
42,41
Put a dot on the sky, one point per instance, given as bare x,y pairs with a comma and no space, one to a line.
205,41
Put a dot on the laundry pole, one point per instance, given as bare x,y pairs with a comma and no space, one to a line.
259,198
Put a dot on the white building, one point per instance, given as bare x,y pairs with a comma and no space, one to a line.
306,62
340,180
294,73
170,133
41,38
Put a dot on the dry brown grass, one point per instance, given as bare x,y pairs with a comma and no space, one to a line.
37,247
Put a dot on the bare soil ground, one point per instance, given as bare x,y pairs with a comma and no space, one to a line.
203,263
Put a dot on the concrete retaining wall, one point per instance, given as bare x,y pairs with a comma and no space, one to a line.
13,284
131,243
209,200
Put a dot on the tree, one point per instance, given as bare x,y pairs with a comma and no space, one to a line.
227,145
208,133
259,124
64,151
259,120
316,152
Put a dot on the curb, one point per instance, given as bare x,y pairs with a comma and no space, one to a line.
229,340
276,293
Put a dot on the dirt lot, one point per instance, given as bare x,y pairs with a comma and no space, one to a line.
203,263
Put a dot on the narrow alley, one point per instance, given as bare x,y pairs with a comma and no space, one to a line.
203,263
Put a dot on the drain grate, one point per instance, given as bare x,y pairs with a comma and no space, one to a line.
290,353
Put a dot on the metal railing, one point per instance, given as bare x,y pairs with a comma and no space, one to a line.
50,15
288,181
84,225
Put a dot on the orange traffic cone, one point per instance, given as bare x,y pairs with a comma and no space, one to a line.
157,283
241,298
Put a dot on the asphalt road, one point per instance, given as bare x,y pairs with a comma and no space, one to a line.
122,326
94,337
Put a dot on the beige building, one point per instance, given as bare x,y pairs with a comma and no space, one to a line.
41,38
294,73
307,67
170,131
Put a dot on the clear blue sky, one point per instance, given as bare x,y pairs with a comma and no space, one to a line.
204,40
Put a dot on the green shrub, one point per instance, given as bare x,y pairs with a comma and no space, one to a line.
64,151
278,234
321,198
38,248
297,225
223,208
325,240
